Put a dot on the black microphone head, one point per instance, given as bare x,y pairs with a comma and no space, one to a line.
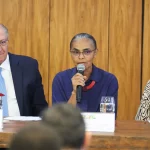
80,68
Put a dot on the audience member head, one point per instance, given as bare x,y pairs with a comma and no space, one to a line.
68,123
36,137
3,43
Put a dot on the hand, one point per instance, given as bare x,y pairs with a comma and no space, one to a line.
78,79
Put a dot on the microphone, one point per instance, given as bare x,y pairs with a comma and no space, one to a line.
80,69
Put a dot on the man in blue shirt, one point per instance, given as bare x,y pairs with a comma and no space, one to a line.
95,81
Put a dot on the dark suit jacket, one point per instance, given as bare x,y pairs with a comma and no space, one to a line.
28,85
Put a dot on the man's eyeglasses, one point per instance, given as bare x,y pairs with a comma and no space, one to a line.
3,42
86,52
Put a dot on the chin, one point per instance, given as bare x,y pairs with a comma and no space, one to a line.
2,59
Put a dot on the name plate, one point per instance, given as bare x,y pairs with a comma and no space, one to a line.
102,122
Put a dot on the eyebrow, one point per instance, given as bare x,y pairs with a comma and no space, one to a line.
3,40
80,50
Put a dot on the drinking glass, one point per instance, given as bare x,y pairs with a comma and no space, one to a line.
107,104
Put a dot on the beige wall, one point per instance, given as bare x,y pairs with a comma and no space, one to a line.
43,29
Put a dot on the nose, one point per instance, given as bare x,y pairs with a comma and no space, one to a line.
1,48
81,56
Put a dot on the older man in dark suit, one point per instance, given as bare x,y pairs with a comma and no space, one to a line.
20,82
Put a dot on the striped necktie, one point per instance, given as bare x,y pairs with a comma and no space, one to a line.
4,98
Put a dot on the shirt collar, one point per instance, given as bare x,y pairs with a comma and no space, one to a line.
95,76
6,64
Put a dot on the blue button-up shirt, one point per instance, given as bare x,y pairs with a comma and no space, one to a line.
106,85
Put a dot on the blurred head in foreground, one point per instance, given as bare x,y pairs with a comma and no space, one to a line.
36,137
68,123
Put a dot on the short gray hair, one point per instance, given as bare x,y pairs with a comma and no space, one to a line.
68,122
84,35
4,28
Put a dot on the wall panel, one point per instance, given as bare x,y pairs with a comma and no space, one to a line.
146,45
125,53
28,24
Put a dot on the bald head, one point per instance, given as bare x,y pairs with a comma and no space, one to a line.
3,43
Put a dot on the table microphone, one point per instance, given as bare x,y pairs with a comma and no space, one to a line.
80,69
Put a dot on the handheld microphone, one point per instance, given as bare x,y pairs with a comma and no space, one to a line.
80,69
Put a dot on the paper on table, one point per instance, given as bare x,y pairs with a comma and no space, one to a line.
103,122
23,118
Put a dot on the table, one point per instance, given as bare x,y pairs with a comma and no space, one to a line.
128,135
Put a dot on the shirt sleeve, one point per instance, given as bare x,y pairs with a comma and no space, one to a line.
58,93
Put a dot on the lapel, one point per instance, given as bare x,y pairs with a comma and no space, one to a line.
17,76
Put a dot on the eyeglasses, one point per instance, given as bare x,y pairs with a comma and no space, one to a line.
86,52
3,42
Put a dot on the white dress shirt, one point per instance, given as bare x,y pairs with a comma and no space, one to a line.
13,109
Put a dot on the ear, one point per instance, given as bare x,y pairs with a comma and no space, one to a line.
87,140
